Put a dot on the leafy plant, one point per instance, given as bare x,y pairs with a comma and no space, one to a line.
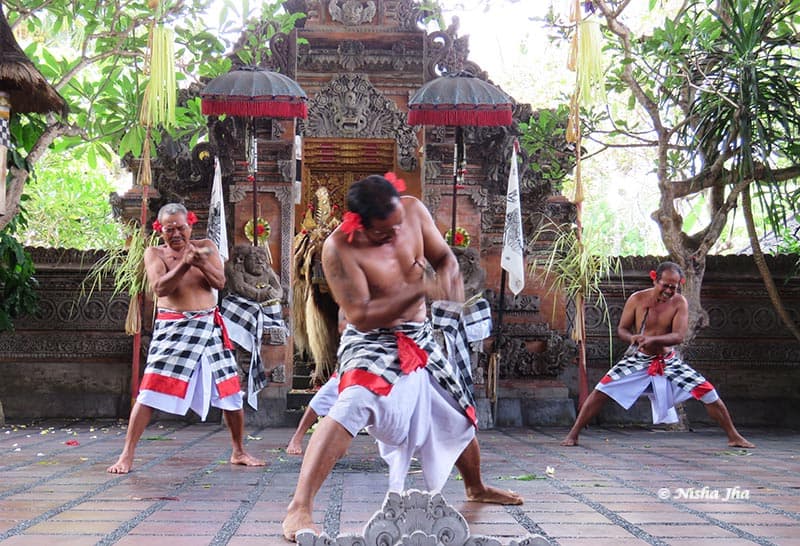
125,265
17,282
576,268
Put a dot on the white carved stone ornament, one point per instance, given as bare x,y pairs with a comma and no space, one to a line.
414,518
352,12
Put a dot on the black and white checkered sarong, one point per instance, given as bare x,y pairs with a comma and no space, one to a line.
177,347
245,324
461,326
376,352
5,133
674,369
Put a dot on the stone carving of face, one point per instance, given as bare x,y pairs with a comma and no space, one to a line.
255,262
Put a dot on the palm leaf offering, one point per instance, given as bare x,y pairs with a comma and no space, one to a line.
158,104
126,267
576,268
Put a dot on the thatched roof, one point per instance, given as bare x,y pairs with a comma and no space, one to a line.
29,91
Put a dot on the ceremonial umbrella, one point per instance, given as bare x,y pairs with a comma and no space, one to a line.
252,92
459,100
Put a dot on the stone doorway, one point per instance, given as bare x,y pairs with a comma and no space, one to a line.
337,163
333,164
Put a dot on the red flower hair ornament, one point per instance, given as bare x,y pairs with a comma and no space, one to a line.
398,183
351,222
191,219
654,276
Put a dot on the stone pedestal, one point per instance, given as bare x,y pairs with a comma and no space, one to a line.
537,402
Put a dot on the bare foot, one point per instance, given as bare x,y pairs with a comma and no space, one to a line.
494,495
295,447
122,466
296,522
569,441
246,459
739,441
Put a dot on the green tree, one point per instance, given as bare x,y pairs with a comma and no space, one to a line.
95,55
718,88
69,207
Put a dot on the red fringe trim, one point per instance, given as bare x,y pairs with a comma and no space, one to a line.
273,107
477,116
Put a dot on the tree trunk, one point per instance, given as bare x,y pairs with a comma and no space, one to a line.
763,269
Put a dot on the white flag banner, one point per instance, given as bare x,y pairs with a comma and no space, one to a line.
216,215
513,258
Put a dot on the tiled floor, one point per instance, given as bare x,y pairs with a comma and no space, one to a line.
622,486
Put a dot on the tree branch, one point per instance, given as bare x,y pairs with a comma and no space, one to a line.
717,177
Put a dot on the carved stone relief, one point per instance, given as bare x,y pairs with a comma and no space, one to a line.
351,107
469,262
352,12
415,518
517,362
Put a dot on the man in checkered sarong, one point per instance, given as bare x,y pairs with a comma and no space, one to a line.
190,363
653,321
393,378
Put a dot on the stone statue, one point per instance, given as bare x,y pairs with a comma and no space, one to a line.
469,261
250,275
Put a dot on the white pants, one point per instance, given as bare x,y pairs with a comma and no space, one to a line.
418,418
663,394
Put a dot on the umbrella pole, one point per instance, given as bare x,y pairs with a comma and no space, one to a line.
458,172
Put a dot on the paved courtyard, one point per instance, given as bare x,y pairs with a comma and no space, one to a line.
622,486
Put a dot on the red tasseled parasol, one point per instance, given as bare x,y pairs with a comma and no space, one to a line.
459,99
254,92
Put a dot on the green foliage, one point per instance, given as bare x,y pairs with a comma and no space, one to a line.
573,267
17,282
69,208
543,138
94,54
576,268
125,265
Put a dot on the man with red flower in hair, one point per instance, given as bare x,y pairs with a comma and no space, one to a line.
190,363
381,264
653,322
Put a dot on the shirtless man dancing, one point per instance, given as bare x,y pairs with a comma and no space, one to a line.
190,363
374,264
654,321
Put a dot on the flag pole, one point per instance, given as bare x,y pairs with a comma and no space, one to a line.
498,336
512,263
